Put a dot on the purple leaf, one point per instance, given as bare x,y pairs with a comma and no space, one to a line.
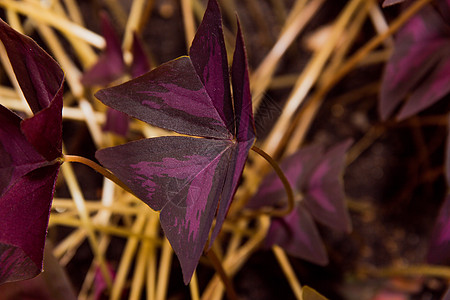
39,76
44,129
244,125
439,248
184,177
140,64
117,122
324,195
18,155
315,176
190,180
30,151
431,90
52,284
25,209
298,235
110,66
296,168
172,97
209,57
421,45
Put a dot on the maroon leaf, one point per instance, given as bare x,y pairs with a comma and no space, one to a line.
315,177
52,284
117,122
30,151
140,64
39,76
432,89
209,57
110,66
25,209
172,97
298,235
324,194
421,45
190,180
18,155
439,248
44,129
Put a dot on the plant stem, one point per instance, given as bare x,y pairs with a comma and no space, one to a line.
218,267
98,168
284,180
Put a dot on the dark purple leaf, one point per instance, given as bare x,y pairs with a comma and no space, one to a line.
183,177
170,96
324,194
39,76
30,151
140,64
297,169
117,122
110,65
25,209
209,57
421,45
439,249
315,176
297,234
18,155
431,90
244,125
52,284
44,129
444,9
190,180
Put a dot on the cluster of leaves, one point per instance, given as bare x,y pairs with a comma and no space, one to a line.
192,179
30,151
419,71
315,176
188,179
111,67
419,68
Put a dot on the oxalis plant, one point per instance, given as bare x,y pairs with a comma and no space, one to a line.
191,179
191,176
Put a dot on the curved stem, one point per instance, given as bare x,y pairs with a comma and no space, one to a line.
98,168
287,186
218,267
